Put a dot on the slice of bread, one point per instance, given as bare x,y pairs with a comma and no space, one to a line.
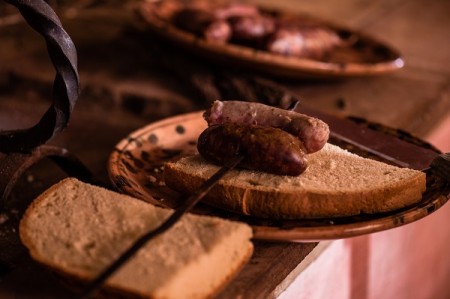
336,183
79,229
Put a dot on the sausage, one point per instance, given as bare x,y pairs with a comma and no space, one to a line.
218,31
311,131
264,149
252,29
202,23
235,10
216,24
309,41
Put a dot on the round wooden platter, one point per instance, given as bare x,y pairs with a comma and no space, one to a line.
136,167
358,54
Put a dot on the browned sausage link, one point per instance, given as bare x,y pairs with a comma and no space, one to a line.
311,131
218,31
265,149
235,10
202,23
308,41
251,28
287,42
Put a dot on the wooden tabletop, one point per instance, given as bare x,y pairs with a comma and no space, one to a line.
123,90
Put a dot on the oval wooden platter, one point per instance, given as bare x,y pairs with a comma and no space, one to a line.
358,54
136,167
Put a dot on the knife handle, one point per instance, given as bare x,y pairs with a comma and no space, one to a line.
440,166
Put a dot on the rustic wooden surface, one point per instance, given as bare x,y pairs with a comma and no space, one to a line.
122,90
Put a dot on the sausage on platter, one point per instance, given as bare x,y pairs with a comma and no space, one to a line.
311,131
203,23
253,29
311,42
265,149
235,10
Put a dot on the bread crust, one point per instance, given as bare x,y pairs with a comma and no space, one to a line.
76,283
236,192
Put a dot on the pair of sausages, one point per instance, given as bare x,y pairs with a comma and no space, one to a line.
271,139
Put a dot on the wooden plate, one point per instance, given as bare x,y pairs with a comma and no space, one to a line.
136,168
358,54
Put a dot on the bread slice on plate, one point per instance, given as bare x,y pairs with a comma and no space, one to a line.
336,183
79,229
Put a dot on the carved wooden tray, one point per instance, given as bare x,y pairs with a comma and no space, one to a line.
136,168
358,54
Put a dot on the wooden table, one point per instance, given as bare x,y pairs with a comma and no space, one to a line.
121,88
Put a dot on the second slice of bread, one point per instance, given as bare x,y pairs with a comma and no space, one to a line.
79,229
336,183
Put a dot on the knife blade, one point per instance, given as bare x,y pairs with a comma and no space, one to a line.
367,149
